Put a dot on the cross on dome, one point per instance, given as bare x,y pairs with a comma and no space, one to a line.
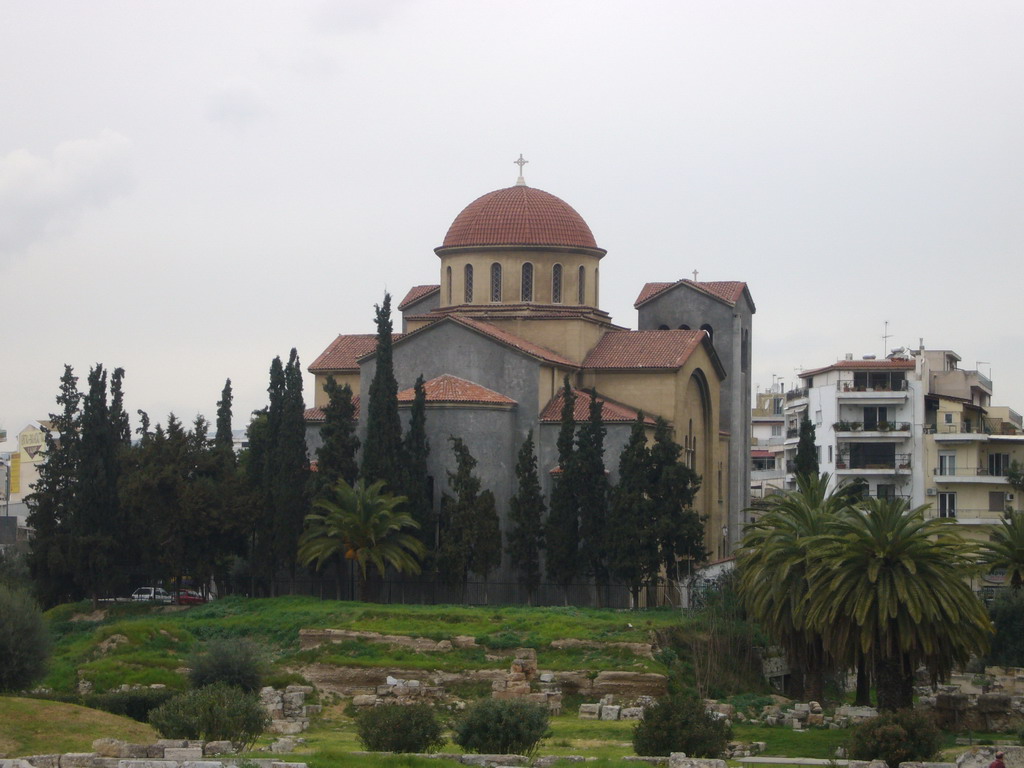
520,162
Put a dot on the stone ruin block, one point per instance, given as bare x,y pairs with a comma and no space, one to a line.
610,712
590,711
631,713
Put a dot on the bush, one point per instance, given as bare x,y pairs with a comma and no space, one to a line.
502,727
679,723
398,728
24,640
1007,614
136,703
896,737
214,713
237,662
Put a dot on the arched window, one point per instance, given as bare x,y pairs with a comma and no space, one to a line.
710,332
582,298
662,327
527,282
684,327
597,286
745,351
556,284
449,285
469,283
495,282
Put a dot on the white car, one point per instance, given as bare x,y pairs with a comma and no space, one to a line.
152,595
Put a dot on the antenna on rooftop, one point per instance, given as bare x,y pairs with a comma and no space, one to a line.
885,338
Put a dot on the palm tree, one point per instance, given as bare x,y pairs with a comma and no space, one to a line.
891,583
365,526
775,562
1006,549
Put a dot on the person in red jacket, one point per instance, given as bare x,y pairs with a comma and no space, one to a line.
998,762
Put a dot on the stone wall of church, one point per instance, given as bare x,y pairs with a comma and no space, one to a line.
686,306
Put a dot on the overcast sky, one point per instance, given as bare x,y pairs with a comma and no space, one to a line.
188,189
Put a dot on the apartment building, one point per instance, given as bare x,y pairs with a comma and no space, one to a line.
767,442
913,425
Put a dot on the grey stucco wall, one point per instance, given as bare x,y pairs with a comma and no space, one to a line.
683,305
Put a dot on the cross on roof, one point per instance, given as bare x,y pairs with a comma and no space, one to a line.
520,162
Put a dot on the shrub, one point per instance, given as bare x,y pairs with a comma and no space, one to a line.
679,723
136,703
502,727
237,662
896,737
24,640
1007,614
398,728
214,713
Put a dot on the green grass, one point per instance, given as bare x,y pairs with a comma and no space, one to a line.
160,639
33,727
785,742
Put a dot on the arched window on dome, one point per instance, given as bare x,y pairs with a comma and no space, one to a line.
495,282
527,282
582,288
468,272
449,285
684,327
556,284
710,332
597,286
662,327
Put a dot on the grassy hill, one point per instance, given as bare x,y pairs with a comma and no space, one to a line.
33,727
143,644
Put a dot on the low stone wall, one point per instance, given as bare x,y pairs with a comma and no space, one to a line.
165,753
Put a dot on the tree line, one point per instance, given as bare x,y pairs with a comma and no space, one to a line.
111,512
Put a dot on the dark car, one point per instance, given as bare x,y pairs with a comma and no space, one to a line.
188,597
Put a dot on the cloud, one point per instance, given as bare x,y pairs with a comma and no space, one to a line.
354,15
44,196
236,107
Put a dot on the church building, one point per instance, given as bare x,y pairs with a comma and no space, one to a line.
516,309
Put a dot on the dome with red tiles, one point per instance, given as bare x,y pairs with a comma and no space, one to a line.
519,215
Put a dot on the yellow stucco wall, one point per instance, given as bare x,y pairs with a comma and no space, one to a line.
320,397
511,262
571,337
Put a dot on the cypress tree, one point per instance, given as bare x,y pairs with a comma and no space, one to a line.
336,458
122,431
471,535
97,527
591,488
53,502
416,449
673,488
806,451
526,516
562,532
458,511
633,543
291,470
382,452
224,438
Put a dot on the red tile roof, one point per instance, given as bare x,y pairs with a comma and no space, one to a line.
317,415
611,411
728,291
519,215
416,293
644,349
863,365
452,389
344,352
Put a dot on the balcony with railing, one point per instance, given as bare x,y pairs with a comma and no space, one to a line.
968,475
797,394
866,463
898,429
